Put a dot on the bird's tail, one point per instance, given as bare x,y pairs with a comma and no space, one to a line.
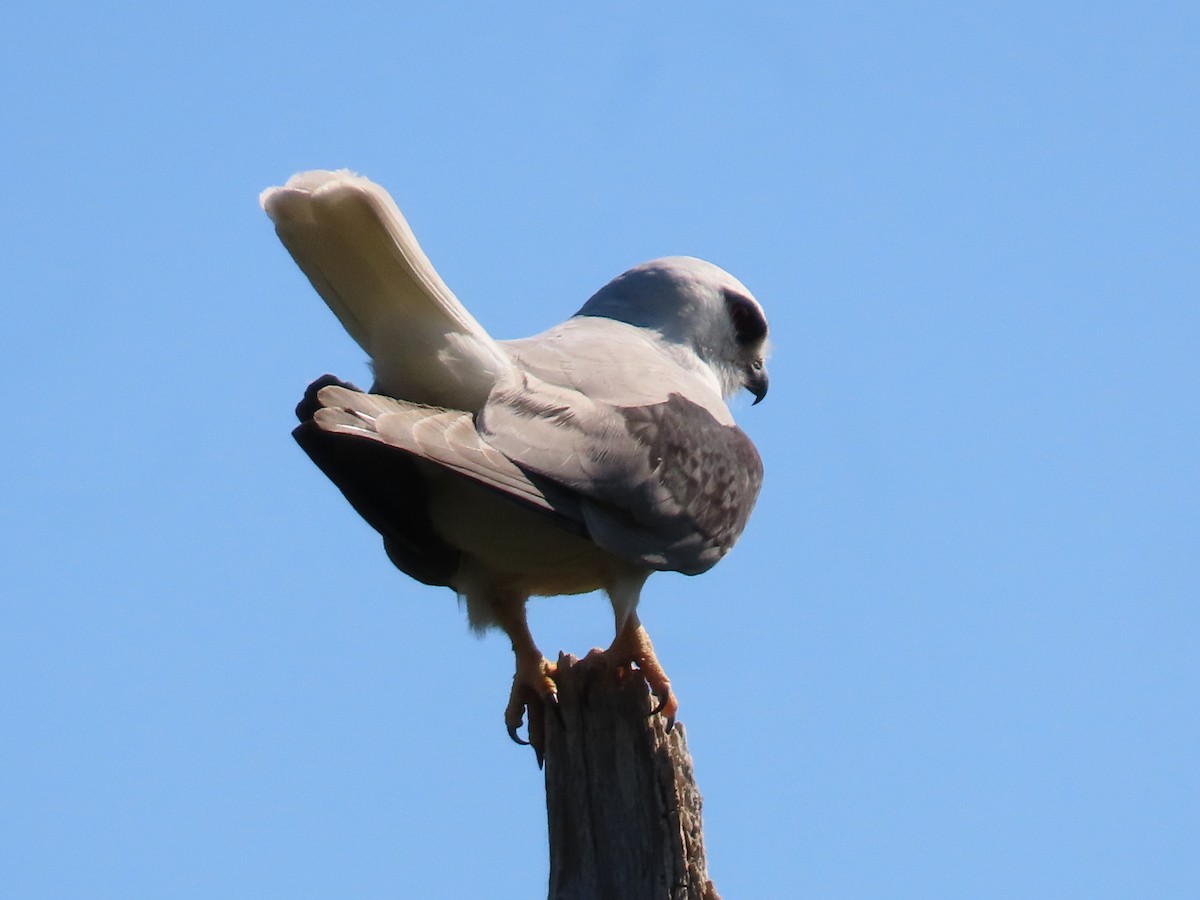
347,235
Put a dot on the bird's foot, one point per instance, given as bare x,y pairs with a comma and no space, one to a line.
632,647
533,691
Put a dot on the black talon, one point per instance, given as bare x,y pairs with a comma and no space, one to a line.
662,704
512,733
670,723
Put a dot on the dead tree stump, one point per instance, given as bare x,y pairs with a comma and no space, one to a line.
621,797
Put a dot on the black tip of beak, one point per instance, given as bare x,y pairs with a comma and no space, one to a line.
757,383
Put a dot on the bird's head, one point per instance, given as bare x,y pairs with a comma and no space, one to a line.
699,306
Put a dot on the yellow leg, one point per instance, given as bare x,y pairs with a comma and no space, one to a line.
632,645
533,682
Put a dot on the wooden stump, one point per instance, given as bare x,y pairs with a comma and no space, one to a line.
621,797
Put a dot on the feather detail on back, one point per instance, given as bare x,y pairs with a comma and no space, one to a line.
442,437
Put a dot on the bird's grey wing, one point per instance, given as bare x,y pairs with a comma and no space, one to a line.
347,235
664,482
344,416
385,487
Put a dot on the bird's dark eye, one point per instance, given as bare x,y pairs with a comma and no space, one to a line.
748,322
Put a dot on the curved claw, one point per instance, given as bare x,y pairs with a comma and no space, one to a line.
663,699
517,739
666,701
632,644
534,680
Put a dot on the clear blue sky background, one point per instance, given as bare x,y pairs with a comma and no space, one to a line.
956,652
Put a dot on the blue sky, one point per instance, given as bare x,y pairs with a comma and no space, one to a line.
954,655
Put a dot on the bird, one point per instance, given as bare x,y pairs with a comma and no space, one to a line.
583,458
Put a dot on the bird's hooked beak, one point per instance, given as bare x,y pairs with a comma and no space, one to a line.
757,380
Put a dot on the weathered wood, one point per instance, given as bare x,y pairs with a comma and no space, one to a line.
621,797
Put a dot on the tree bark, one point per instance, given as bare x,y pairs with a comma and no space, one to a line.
621,797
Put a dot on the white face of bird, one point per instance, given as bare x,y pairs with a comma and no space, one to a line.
697,305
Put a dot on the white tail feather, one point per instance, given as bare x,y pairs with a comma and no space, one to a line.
347,235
